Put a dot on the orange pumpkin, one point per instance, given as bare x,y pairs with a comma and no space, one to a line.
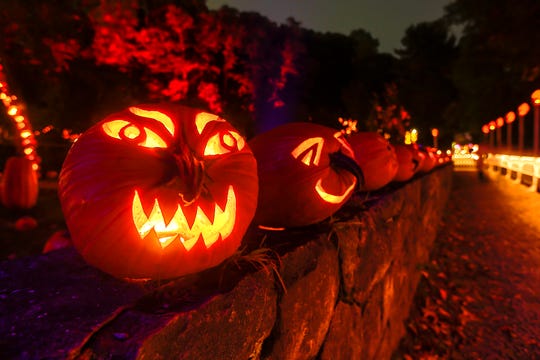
19,183
407,162
429,159
158,191
376,157
306,173
25,223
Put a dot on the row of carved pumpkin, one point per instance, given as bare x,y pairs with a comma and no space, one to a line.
161,190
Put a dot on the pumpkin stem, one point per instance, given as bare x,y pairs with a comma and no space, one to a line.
341,161
188,175
191,171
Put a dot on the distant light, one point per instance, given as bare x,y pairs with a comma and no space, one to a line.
510,117
12,110
434,132
535,97
523,109
500,122
485,129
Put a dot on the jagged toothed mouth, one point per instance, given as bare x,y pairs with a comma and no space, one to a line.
178,227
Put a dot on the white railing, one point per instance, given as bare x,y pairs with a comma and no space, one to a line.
520,169
464,161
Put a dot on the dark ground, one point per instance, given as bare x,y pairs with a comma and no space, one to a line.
15,243
479,297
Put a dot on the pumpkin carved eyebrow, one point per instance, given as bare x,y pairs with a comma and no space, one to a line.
203,118
155,115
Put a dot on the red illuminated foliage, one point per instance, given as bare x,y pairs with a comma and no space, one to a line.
215,58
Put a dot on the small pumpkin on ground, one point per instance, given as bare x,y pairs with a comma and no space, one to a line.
158,191
20,186
25,223
306,173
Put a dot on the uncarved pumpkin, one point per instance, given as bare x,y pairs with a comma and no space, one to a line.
25,223
158,191
407,163
306,173
376,157
19,183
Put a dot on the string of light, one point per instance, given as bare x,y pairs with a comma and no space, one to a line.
15,111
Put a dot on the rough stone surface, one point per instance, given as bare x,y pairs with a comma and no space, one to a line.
345,337
192,319
338,290
310,274
381,251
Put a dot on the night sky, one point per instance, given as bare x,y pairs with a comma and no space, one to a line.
386,20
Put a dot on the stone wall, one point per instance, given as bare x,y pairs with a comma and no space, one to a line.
338,290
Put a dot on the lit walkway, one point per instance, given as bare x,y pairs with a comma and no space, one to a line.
480,295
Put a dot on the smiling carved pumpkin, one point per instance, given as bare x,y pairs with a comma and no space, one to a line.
158,191
306,173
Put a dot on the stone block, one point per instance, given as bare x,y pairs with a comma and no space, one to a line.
310,274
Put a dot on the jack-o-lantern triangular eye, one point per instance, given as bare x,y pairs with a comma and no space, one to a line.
309,151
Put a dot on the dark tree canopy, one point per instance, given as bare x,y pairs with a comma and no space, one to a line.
497,67
75,61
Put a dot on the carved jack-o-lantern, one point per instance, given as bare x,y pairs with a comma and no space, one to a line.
429,159
306,173
158,191
376,157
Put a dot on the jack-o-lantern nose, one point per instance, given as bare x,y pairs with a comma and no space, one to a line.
186,177
190,173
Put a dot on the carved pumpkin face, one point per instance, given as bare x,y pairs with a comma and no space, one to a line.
158,191
418,156
304,174
376,157
429,159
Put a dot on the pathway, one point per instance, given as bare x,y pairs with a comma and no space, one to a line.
479,297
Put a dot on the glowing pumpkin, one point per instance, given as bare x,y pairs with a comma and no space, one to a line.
407,162
158,191
19,183
376,157
429,159
306,173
